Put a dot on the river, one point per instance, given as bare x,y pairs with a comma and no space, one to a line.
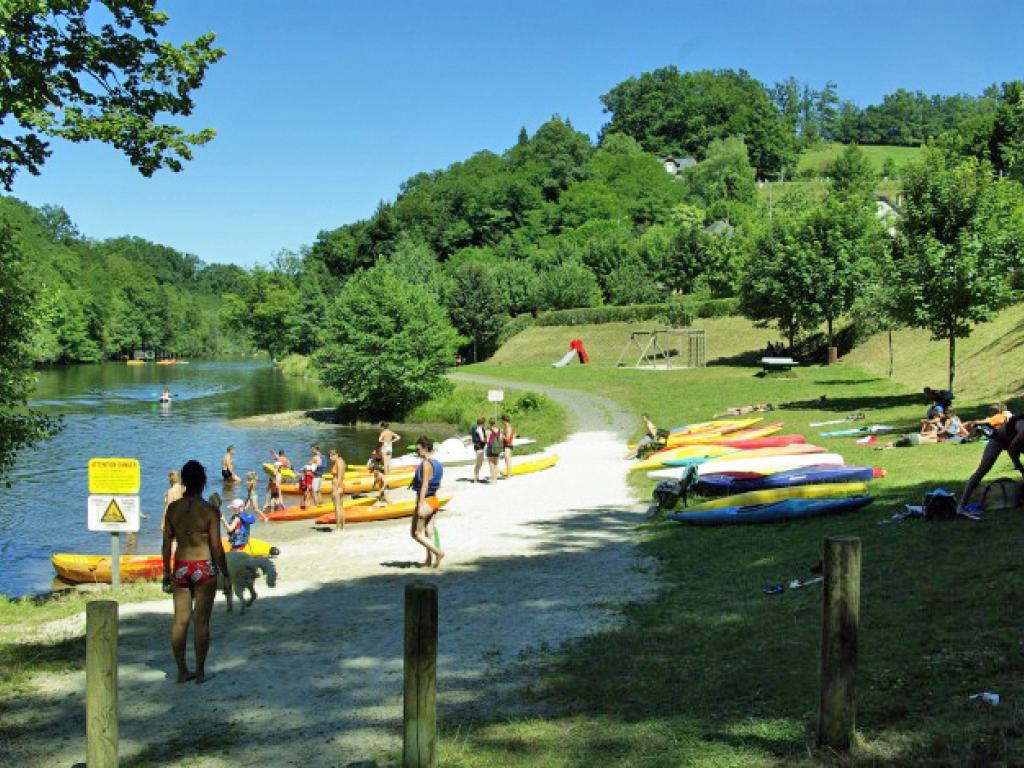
111,409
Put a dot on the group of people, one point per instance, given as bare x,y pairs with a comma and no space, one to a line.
193,553
942,423
494,443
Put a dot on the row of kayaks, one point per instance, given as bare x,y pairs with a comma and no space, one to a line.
756,475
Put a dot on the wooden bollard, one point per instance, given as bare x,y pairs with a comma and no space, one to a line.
419,745
839,627
101,684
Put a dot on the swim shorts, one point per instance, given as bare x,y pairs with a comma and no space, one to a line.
433,503
226,474
193,572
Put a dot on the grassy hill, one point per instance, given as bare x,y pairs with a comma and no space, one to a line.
820,158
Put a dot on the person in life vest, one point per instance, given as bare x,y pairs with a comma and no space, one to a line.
425,483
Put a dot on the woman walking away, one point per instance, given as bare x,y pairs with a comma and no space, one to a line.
338,469
425,483
387,438
1010,438
494,449
479,437
194,525
227,466
508,435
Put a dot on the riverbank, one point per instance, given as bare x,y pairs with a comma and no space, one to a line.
312,675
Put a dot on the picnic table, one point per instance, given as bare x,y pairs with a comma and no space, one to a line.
777,363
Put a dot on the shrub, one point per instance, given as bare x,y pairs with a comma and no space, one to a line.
568,285
676,312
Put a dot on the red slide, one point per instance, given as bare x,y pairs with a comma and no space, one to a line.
581,351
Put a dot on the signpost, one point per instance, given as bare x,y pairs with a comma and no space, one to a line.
113,505
496,396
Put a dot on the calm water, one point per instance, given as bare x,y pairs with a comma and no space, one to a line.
110,409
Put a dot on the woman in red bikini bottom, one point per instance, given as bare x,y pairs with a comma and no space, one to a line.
194,525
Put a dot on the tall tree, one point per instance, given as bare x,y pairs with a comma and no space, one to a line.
1006,145
723,178
476,306
954,247
66,75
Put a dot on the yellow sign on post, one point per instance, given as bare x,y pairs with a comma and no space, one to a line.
119,477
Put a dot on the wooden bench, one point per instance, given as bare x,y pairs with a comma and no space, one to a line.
769,364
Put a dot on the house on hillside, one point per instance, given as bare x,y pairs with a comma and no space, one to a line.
676,165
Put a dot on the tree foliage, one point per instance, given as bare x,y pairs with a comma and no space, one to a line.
476,306
65,73
388,344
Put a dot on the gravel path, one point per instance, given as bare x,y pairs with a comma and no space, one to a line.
312,676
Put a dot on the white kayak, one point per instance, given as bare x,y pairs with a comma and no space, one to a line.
764,465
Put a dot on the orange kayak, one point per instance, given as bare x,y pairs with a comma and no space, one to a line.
88,569
372,513
363,484
297,512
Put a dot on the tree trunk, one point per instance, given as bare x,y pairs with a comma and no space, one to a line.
474,350
890,354
792,334
830,332
952,360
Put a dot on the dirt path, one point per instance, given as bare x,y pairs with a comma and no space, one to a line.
312,676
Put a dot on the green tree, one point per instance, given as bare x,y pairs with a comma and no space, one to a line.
567,286
954,247
724,178
19,426
517,283
66,76
389,344
476,306
1006,145
852,174
262,312
631,283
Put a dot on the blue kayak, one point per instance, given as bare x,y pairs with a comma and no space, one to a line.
777,512
721,485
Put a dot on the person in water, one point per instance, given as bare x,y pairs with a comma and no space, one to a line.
386,439
165,397
252,496
194,526
338,469
1008,437
425,483
478,434
227,466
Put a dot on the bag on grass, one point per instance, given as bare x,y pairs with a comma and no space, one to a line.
1001,494
939,505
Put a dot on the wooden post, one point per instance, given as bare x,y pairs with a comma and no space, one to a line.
101,684
839,627
419,747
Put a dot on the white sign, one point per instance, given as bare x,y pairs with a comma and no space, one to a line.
496,395
114,514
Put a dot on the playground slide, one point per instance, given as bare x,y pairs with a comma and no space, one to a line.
569,357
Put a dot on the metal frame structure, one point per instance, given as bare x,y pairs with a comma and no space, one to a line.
662,349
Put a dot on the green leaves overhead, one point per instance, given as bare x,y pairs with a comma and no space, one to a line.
65,73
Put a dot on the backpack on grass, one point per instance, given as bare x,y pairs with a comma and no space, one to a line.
1001,494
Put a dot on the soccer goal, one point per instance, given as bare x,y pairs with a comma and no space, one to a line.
665,349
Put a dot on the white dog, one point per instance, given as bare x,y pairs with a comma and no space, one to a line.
243,570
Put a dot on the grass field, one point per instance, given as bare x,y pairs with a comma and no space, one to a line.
714,673
820,158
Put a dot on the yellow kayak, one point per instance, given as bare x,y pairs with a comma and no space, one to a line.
767,496
699,451
79,569
531,465
361,484
354,473
721,434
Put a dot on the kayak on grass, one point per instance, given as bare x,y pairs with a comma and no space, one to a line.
778,512
764,465
771,495
720,484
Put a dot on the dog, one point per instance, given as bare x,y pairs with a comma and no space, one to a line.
244,569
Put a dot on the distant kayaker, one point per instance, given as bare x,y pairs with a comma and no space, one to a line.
338,469
508,436
227,466
194,526
165,397
478,434
386,439
425,483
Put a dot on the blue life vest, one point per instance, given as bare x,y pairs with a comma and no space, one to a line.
239,537
435,481
321,467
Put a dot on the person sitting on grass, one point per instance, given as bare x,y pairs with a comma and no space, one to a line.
997,416
654,439
953,428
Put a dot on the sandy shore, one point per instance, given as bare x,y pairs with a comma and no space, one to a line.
312,676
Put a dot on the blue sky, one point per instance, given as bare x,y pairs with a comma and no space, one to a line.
323,108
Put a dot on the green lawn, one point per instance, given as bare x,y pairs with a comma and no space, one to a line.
820,158
713,672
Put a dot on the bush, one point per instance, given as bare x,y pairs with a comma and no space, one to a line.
718,307
596,315
389,346
568,285
676,312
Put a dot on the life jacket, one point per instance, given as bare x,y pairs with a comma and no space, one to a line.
435,480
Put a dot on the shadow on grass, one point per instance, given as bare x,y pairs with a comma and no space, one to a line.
856,403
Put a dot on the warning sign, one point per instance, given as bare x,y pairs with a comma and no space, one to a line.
116,476
114,514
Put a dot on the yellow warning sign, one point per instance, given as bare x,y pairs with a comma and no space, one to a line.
115,476
113,514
